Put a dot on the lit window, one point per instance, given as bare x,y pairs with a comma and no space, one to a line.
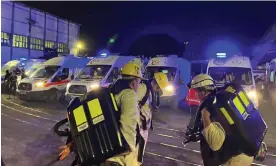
49,44
20,41
36,44
272,75
62,47
5,39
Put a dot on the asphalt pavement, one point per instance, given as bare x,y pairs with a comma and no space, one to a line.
27,138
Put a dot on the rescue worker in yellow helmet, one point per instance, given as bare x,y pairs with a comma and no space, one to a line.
126,98
159,82
215,147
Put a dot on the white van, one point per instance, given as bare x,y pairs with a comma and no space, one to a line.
19,64
178,71
98,72
49,81
235,68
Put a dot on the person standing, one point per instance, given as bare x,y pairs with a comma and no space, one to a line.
193,103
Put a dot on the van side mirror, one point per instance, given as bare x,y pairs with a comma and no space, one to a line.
72,77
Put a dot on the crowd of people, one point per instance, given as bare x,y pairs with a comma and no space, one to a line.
136,117
11,80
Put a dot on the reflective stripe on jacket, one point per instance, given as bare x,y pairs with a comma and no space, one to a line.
130,116
192,98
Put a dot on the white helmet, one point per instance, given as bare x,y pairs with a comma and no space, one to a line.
203,81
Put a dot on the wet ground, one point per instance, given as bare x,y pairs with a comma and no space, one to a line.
27,138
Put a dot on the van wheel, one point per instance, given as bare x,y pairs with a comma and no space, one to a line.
174,104
54,95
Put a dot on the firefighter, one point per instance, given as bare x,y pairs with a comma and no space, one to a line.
6,80
12,83
193,103
23,74
126,98
159,82
216,147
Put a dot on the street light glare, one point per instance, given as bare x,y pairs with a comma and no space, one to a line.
79,45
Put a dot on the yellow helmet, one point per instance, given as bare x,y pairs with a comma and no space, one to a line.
132,69
203,80
161,79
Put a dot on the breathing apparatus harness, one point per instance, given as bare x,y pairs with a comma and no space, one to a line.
193,134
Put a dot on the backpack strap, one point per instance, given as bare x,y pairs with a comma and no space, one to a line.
145,98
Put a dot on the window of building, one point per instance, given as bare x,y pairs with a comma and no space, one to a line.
5,39
36,44
49,44
62,47
20,41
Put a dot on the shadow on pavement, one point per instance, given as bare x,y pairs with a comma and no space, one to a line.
176,119
45,150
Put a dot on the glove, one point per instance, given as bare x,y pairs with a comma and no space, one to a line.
66,151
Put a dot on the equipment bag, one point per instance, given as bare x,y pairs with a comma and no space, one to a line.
94,123
237,114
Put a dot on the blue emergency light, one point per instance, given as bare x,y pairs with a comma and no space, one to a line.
221,55
103,53
22,59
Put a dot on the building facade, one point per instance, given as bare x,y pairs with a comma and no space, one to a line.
28,32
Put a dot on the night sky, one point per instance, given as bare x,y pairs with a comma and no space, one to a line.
101,20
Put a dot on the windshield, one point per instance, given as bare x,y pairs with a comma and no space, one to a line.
30,71
169,71
94,72
223,75
7,66
45,72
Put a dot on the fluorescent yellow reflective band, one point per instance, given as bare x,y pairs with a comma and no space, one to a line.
227,116
239,105
80,118
244,99
114,102
96,111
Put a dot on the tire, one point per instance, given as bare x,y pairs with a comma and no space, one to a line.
54,95
174,104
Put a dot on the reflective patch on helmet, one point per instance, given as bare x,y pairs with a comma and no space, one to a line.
96,111
227,116
244,98
240,108
113,101
80,118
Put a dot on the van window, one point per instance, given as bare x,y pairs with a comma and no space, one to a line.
112,76
223,75
94,72
62,75
169,71
45,72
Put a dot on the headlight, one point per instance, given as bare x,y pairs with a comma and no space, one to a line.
170,88
94,86
68,86
39,84
252,94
